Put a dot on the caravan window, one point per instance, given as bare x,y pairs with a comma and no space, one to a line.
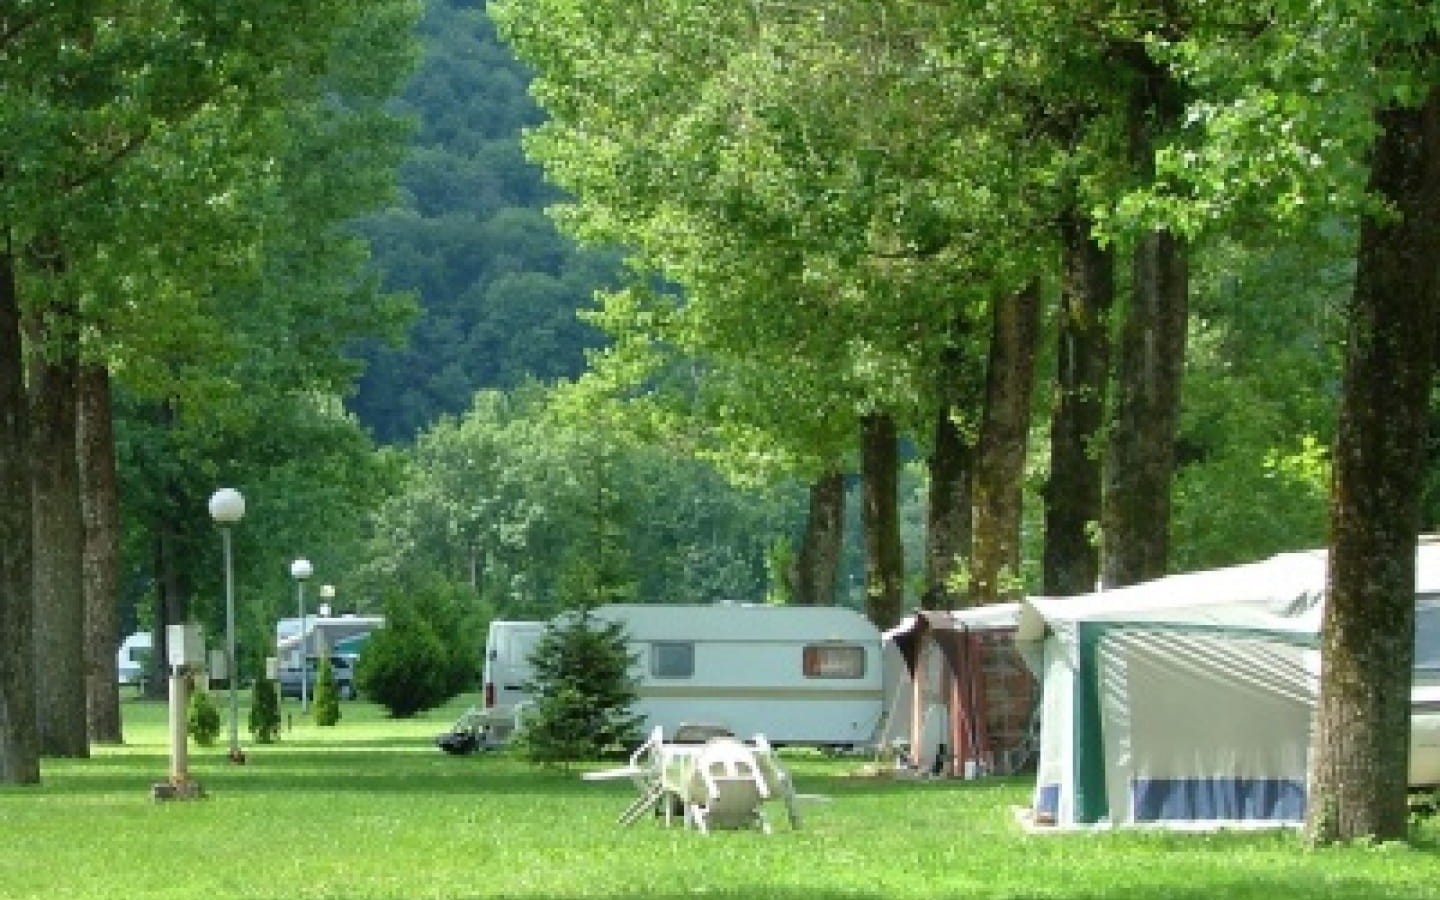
834,661
672,659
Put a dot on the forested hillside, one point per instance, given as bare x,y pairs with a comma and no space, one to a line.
498,286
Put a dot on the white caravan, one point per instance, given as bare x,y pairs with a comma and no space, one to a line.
807,675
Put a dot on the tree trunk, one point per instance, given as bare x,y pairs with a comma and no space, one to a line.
952,459
19,739
884,554
1362,735
1000,463
154,684
59,535
99,498
1140,456
172,600
817,570
1072,495
1140,459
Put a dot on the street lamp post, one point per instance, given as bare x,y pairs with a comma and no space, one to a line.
227,507
300,570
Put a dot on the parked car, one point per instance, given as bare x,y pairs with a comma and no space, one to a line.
342,666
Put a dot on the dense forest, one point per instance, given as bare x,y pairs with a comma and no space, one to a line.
498,285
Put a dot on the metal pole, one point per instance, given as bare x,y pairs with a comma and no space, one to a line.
235,755
179,706
304,644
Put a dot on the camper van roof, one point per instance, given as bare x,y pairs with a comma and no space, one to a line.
751,621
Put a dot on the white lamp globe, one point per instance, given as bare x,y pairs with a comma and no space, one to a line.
301,569
227,506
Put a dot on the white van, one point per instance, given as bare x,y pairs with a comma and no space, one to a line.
507,669
807,675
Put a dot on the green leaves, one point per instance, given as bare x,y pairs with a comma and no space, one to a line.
537,499
801,176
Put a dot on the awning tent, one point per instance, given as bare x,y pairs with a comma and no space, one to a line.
960,696
1188,699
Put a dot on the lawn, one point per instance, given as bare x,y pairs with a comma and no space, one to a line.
370,810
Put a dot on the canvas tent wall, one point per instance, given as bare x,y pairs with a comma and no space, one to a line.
1189,699
959,694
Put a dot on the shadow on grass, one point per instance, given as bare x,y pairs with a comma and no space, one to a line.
401,766
855,785
322,771
1342,888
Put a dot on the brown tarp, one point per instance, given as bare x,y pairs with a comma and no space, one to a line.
987,721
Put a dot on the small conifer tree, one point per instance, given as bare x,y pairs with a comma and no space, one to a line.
327,695
583,692
265,712
203,721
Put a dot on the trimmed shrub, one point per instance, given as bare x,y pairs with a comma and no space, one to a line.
265,712
203,720
402,667
327,695
427,652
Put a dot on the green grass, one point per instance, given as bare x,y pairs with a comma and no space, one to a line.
371,810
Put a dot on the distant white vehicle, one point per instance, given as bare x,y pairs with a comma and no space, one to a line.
807,675
130,658
292,684
322,635
507,672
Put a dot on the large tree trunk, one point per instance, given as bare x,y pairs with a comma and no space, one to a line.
951,463
884,554
1140,457
155,684
172,606
19,739
59,536
100,501
817,569
172,596
1072,495
1362,739
1000,464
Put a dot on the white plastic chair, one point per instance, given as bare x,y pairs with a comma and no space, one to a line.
641,770
726,788
777,779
